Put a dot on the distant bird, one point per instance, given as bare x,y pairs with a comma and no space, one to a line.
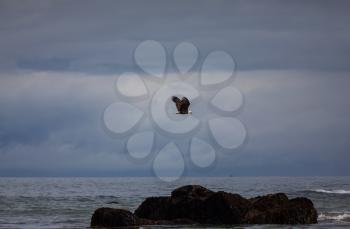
182,105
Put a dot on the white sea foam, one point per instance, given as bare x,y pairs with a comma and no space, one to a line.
334,216
337,191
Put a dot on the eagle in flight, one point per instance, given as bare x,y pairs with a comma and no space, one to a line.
182,105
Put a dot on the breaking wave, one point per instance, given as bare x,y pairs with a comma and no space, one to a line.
334,216
337,191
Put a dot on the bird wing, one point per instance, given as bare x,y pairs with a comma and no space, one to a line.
175,99
185,103
177,102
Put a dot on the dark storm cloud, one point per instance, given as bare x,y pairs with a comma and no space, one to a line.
295,126
58,59
52,122
100,36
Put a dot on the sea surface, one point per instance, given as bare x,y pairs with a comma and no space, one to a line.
70,202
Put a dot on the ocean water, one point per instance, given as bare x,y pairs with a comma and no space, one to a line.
70,202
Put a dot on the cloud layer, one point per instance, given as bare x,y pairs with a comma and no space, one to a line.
59,59
52,122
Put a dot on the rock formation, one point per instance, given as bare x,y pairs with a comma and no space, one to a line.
194,204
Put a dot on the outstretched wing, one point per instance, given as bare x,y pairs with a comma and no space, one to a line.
185,103
175,99
177,102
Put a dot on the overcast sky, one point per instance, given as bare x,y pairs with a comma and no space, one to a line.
59,61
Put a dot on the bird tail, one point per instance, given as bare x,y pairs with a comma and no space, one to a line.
175,99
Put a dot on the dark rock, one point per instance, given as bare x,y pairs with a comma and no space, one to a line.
112,202
185,202
190,192
268,201
154,208
267,209
193,204
188,202
110,217
301,211
277,209
196,203
169,222
225,208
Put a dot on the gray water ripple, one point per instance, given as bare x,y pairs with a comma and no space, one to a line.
70,202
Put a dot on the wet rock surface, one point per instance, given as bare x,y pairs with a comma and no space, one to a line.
194,204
